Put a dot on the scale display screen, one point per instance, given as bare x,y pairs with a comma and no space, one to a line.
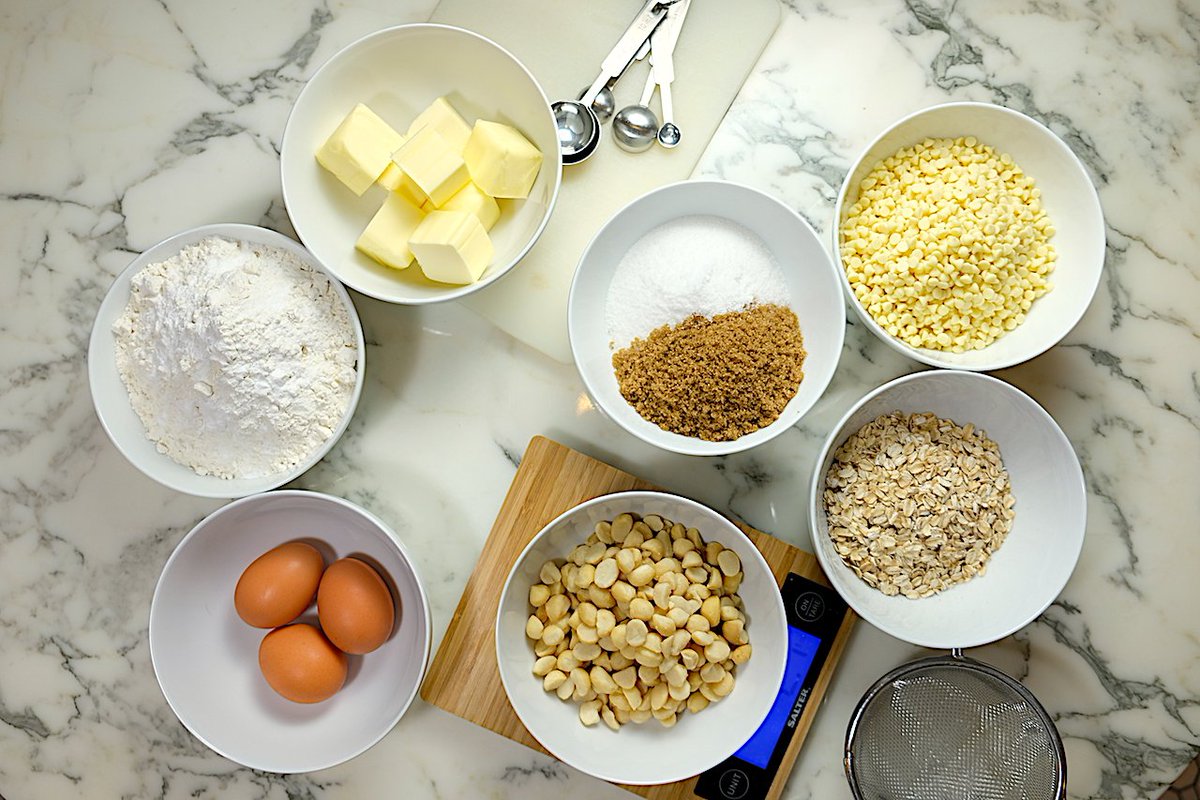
814,615
802,651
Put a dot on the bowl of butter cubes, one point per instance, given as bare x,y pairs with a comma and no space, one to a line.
420,163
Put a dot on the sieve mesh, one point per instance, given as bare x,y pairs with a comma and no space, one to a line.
953,729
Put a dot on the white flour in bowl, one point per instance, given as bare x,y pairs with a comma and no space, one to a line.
238,357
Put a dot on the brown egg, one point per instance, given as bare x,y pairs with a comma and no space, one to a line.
301,664
355,606
278,585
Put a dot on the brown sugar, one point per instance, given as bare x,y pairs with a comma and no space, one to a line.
715,379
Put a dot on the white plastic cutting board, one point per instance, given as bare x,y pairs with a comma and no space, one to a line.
562,42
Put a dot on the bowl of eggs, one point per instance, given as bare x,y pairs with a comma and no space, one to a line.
289,631
969,236
417,178
641,637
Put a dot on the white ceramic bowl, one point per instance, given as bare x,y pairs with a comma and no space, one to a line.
206,658
1067,195
398,72
111,399
1032,565
811,278
647,753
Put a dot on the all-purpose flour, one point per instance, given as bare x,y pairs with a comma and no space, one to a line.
238,357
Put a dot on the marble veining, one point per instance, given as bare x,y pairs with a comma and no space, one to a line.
123,122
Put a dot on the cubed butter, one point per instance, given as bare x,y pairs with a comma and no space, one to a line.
428,159
501,161
391,177
394,179
473,200
442,117
451,247
386,237
359,149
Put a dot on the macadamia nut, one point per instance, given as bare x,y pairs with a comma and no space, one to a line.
642,621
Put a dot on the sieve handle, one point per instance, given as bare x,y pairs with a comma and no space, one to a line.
956,652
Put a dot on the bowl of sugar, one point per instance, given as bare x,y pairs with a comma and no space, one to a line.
705,317
225,361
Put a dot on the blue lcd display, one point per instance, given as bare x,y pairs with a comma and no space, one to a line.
802,649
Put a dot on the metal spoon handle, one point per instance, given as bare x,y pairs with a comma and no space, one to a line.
648,92
642,52
627,46
664,94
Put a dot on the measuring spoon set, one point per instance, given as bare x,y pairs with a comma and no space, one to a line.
653,33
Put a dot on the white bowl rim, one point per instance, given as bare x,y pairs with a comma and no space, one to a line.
404,556
814,499
777,681
465,289
924,355
690,446
233,230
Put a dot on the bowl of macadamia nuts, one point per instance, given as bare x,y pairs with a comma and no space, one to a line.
641,637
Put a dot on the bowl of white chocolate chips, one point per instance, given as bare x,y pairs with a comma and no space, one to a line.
641,637
970,237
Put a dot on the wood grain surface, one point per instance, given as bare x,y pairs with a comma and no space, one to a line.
464,678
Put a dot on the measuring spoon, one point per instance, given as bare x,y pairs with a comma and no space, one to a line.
635,127
605,103
662,61
577,123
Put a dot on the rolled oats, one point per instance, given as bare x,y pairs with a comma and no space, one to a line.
916,504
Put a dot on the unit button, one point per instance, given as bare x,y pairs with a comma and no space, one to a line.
733,784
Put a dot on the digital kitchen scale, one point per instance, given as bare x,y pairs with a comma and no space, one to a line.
814,616
464,678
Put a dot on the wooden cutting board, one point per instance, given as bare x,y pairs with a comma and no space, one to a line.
464,678
562,42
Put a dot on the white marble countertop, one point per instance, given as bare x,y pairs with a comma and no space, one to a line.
123,122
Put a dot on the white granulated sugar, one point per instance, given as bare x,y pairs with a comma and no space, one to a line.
239,358
691,265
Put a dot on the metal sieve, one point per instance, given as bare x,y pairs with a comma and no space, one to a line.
952,728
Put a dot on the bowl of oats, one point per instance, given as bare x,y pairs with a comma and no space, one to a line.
948,508
969,236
